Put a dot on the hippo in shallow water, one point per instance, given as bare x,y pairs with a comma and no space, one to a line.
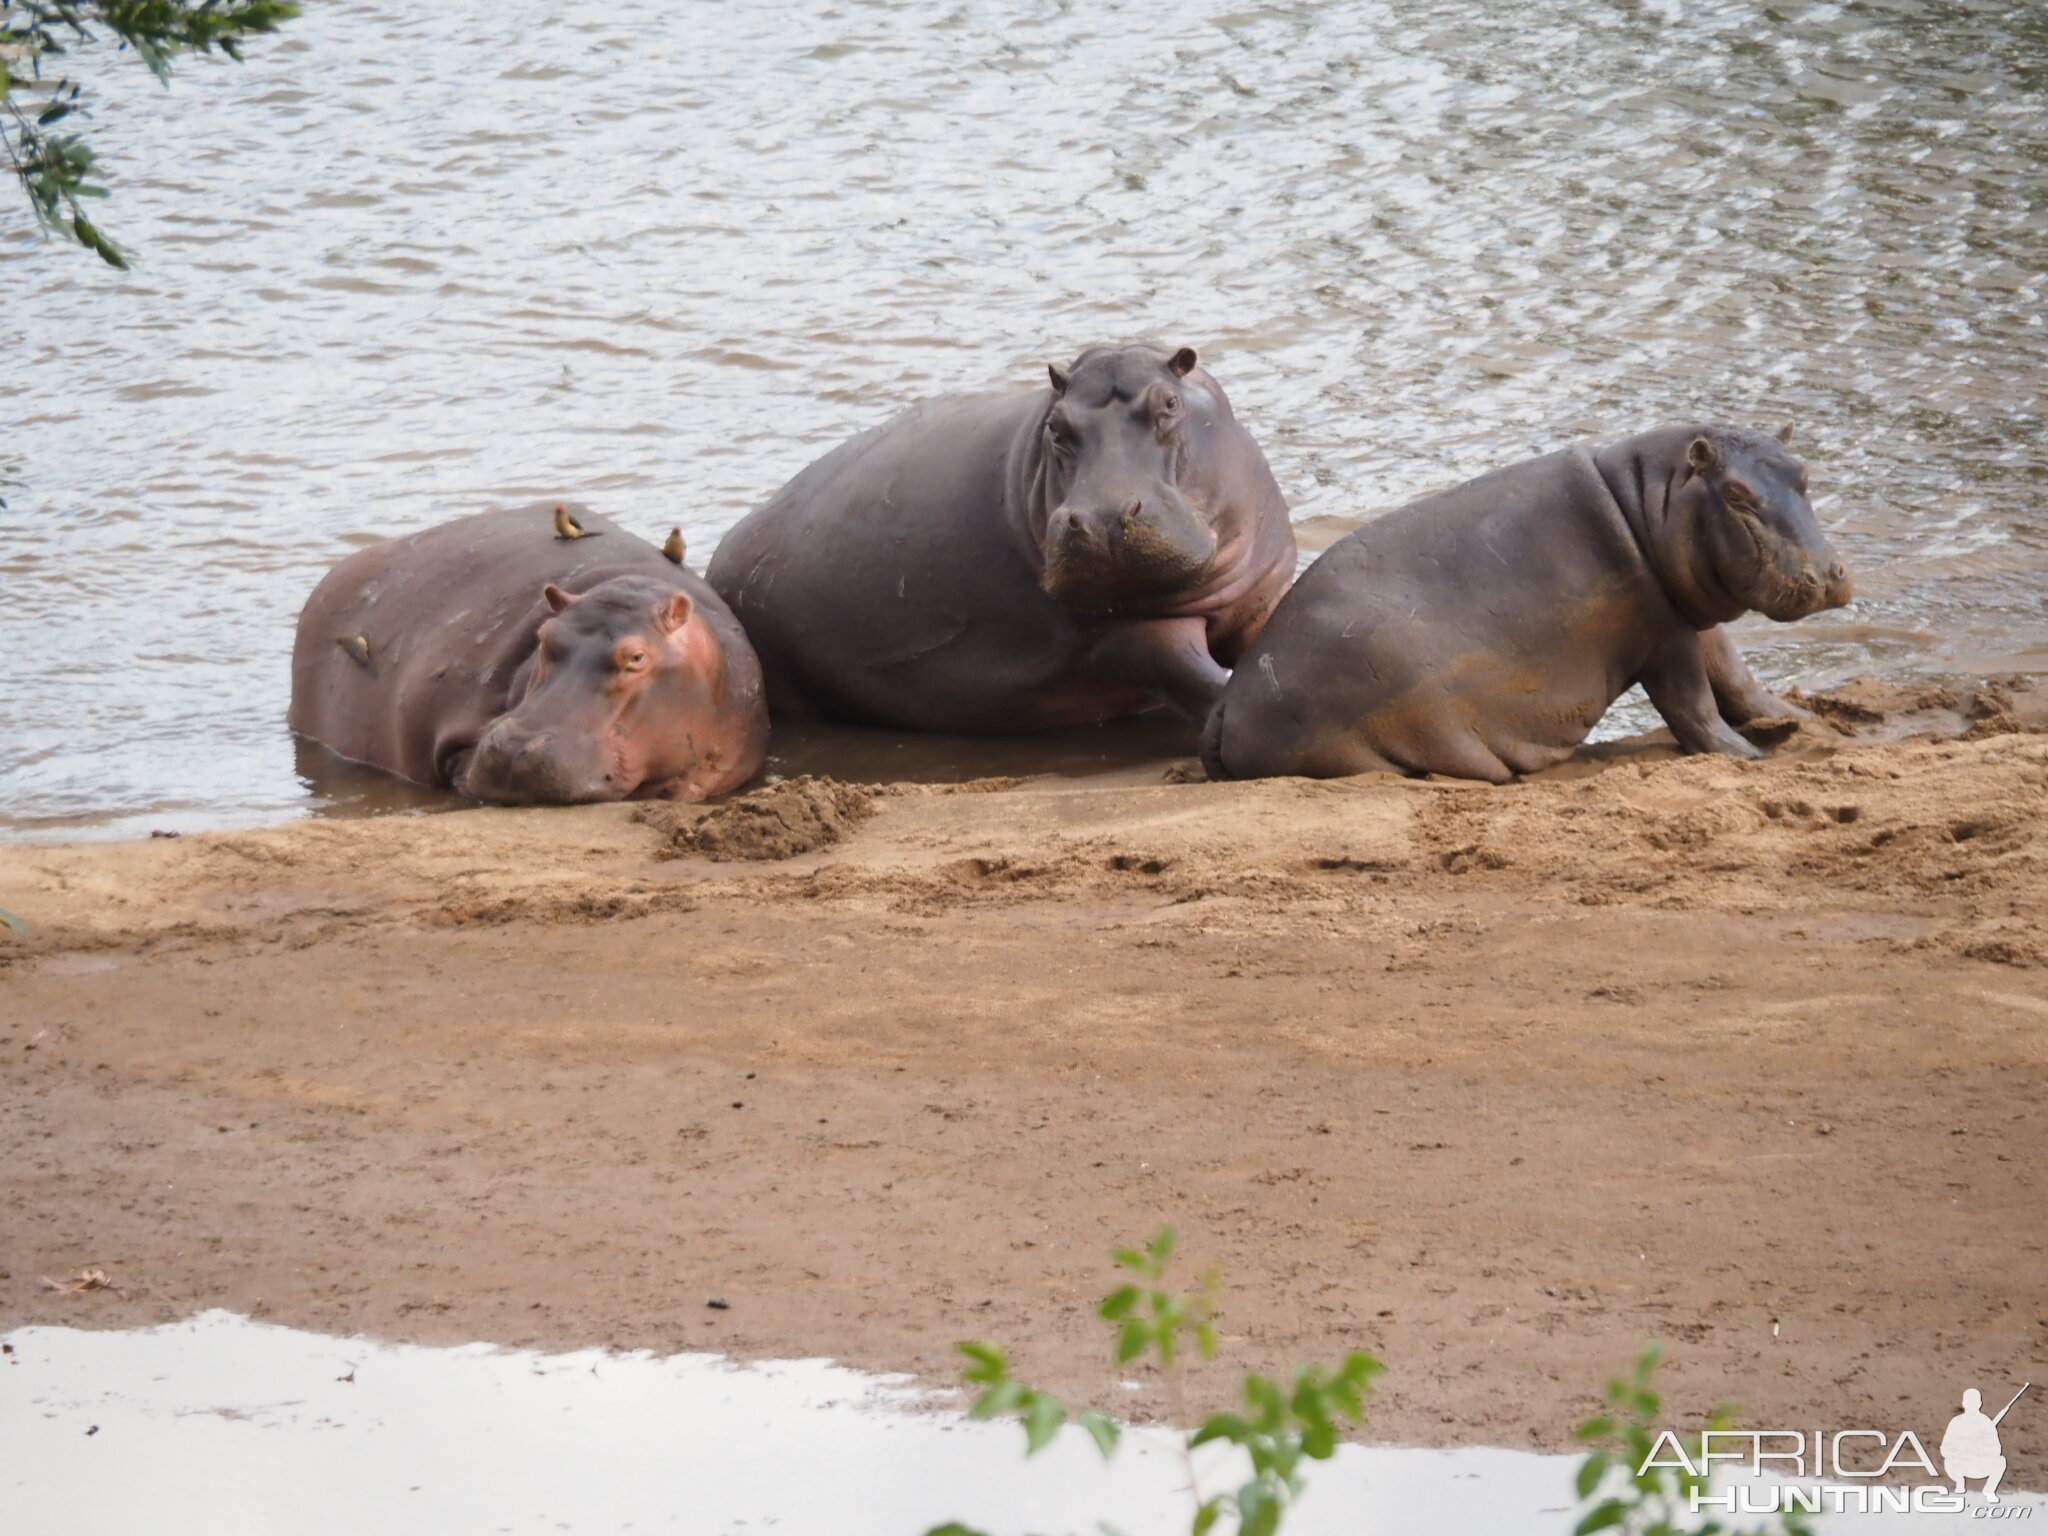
995,563
1482,632
514,663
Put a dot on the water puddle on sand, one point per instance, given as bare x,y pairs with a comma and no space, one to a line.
224,1426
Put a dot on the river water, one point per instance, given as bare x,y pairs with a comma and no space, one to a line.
411,261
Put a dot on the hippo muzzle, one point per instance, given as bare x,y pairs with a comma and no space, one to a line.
1796,577
517,763
1143,547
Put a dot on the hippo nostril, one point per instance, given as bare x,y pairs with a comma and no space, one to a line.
1837,574
1133,509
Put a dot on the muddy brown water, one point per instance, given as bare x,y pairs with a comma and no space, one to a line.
414,261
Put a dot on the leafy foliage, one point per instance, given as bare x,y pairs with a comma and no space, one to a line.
1282,1426
58,170
1653,1501
1279,1427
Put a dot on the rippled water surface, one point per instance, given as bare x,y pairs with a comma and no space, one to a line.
414,260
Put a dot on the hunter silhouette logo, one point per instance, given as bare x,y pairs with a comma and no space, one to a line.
1846,1471
1970,1446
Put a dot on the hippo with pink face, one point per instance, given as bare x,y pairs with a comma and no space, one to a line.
997,563
498,658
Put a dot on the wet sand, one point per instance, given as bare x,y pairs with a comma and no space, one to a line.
1498,1083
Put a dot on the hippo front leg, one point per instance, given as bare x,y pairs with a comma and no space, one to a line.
1167,656
1678,684
1740,696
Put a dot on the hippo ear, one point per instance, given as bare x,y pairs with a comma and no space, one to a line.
1058,375
675,613
1701,456
1785,434
555,597
1182,362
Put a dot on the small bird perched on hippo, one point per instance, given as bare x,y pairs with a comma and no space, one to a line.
1482,632
500,657
996,563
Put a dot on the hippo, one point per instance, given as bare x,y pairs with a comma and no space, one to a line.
520,664
1483,631
987,564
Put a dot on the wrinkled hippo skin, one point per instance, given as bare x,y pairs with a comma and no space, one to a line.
996,563
1482,632
492,657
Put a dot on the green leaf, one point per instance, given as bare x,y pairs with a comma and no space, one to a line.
12,921
1258,1512
1000,1398
1646,1362
1221,1426
990,1359
1132,1340
1042,1420
1265,1397
1118,1304
1162,1247
1612,1513
1205,1517
1319,1441
1601,1428
953,1528
1130,1258
1591,1470
1103,1430
1360,1368
93,240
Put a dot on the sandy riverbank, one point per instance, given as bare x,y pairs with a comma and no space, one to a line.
1498,1083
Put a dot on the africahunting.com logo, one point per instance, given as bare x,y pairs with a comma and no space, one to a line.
1846,1471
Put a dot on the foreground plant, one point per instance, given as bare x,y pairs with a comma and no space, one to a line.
58,169
1283,1426
1649,1500
1279,1427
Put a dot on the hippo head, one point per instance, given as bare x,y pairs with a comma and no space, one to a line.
612,702
1118,531
1739,501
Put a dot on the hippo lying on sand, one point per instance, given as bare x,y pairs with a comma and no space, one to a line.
1482,632
514,663
996,563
